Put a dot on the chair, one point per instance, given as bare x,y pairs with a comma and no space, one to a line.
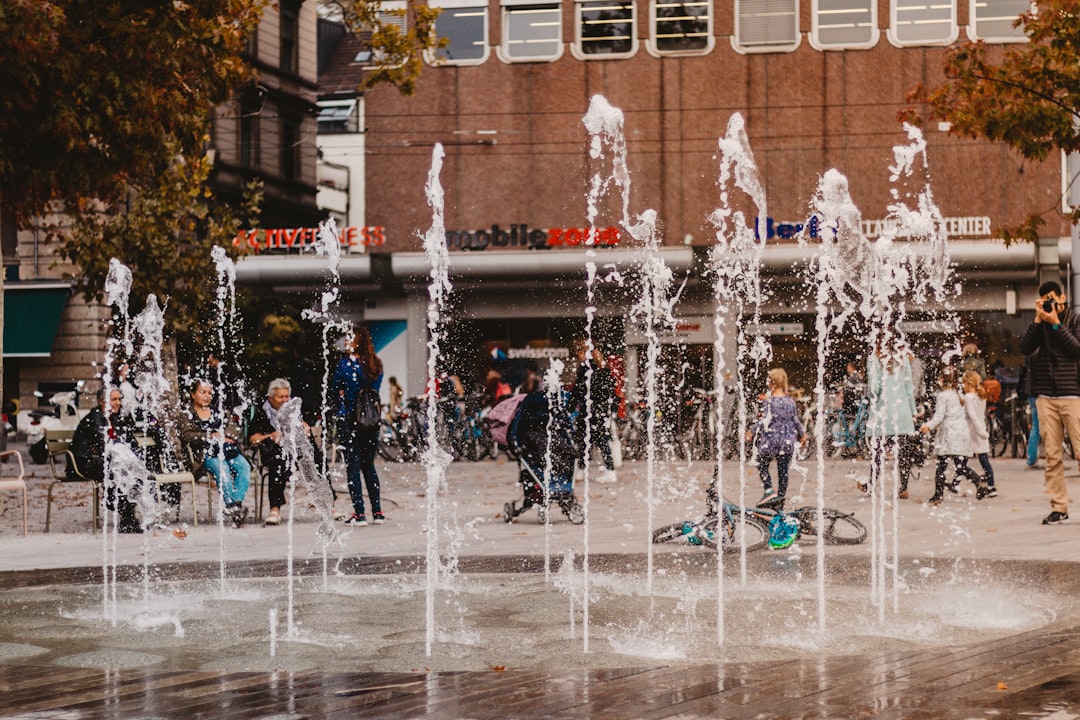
58,446
180,477
17,483
200,472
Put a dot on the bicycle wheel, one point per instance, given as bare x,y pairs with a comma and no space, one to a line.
670,532
840,528
756,533
389,447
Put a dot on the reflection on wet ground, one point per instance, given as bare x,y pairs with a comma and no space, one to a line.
50,667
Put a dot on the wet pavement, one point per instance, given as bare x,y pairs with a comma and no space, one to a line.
1017,673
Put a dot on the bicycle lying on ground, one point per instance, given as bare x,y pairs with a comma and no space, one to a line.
764,526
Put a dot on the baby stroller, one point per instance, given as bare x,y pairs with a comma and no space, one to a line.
527,434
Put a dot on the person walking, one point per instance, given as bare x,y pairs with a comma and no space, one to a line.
1055,336
952,440
1025,393
778,430
360,369
594,408
891,424
975,409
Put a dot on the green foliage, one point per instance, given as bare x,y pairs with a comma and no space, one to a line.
1027,95
399,56
97,95
163,231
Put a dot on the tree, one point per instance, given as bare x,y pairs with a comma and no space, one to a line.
1027,96
398,53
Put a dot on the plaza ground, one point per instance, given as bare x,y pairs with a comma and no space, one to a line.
1034,672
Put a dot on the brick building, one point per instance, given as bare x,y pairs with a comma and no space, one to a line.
819,83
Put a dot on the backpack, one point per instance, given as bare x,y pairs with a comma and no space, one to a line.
993,390
368,409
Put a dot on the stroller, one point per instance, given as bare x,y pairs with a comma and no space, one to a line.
527,433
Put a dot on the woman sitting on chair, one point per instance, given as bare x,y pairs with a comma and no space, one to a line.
214,444
88,450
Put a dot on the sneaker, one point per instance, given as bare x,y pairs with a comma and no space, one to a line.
238,515
378,518
954,487
1056,518
608,476
274,518
902,495
1032,466
769,496
862,486
935,500
981,491
356,520
991,492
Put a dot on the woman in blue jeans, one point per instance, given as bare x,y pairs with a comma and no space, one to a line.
360,369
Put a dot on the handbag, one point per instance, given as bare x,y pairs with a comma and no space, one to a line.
368,409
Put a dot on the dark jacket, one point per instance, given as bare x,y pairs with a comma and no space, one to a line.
1055,372
88,442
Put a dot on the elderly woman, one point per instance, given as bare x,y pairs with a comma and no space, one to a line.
214,444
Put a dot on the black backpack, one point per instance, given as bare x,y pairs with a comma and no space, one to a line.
368,409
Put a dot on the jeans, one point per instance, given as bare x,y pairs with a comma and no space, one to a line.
360,465
233,483
1033,436
988,471
782,462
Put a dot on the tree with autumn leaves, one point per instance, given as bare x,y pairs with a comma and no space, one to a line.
1026,95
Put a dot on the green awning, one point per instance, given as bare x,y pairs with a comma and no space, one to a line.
32,316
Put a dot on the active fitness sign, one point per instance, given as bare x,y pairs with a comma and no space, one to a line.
299,239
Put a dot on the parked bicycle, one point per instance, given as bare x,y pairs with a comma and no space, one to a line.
698,440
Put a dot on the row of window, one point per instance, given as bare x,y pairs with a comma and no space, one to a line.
607,29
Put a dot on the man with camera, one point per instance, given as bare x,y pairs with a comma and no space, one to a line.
1055,334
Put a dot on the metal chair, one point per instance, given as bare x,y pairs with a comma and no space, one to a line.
17,483
58,445
179,477
200,472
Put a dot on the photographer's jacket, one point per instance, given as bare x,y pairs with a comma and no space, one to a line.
1056,368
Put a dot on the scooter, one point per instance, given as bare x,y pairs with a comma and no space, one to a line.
64,413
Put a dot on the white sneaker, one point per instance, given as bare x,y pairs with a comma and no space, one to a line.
608,476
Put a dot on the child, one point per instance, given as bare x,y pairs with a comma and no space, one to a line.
975,407
953,440
778,431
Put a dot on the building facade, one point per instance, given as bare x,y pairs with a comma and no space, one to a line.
819,84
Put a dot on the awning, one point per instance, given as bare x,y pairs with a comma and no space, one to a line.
32,316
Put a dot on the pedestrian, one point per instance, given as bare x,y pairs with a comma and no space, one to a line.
777,430
594,408
1055,336
360,369
891,392
105,423
975,409
1025,394
973,360
952,440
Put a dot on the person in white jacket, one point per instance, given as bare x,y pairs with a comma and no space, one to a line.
952,439
975,409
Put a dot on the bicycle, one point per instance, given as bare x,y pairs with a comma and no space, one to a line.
738,524
698,442
849,434
840,528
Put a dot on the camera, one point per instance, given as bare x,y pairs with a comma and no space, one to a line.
1048,306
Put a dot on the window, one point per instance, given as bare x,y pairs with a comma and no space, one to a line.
605,29
250,107
290,148
681,27
993,20
766,25
531,32
844,24
339,116
290,36
392,13
923,22
465,28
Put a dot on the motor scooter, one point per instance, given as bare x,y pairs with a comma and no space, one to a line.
63,413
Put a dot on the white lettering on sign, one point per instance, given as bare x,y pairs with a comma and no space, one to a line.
975,226
928,326
775,329
538,353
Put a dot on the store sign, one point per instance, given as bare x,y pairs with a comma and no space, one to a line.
775,329
545,353
954,226
299,239
786,230
686,331
928,326
520,236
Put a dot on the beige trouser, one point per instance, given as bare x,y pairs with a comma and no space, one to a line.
1056,417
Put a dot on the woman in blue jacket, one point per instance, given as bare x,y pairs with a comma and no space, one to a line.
360,369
